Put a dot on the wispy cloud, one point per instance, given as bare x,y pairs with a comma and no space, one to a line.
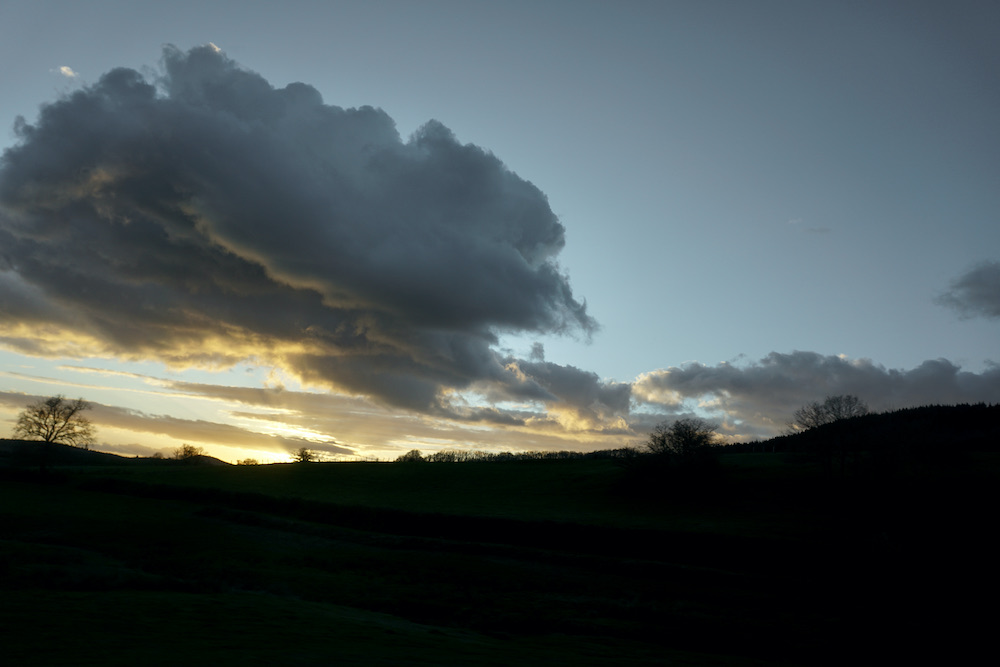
796,223
41,379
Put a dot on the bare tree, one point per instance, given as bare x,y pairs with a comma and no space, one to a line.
304,455
412,456
56,420
186,451
681,457
685,438
845,406
808,416
833,408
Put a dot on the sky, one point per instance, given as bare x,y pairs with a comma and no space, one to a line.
370,227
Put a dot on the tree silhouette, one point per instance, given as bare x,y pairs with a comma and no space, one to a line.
412,456
56,420
304,455
186,451
679,456
685,439
833,408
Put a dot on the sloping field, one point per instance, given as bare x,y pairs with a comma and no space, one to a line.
541,562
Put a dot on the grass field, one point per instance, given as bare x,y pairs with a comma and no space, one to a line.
533,562
578,491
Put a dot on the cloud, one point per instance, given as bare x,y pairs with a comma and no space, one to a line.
757,399
975,293
67,72
187,430
204,217
796,222
280,420
208,432
370,428
578,399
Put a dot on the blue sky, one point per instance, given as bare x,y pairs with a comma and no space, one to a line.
762,204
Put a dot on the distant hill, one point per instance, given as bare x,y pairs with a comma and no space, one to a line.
30,453
959,427
894,440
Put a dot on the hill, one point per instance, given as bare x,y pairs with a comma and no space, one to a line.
34,453
771,561
899,437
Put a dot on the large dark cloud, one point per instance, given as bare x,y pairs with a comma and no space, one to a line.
759,398
205,216
976,292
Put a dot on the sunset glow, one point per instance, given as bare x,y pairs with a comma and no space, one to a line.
257,247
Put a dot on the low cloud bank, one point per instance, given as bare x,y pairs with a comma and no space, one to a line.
759,398
555,407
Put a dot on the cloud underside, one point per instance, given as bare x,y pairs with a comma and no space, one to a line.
750,401
205,217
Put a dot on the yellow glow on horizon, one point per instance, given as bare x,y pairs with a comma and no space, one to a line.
284,430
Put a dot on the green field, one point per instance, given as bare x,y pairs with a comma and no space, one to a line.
494,563
577,491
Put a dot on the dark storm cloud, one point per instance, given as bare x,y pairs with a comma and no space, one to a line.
976,293
205,216
762,396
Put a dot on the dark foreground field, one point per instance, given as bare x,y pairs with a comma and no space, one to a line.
528,562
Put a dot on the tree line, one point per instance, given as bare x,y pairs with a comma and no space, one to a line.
829,429
463,456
